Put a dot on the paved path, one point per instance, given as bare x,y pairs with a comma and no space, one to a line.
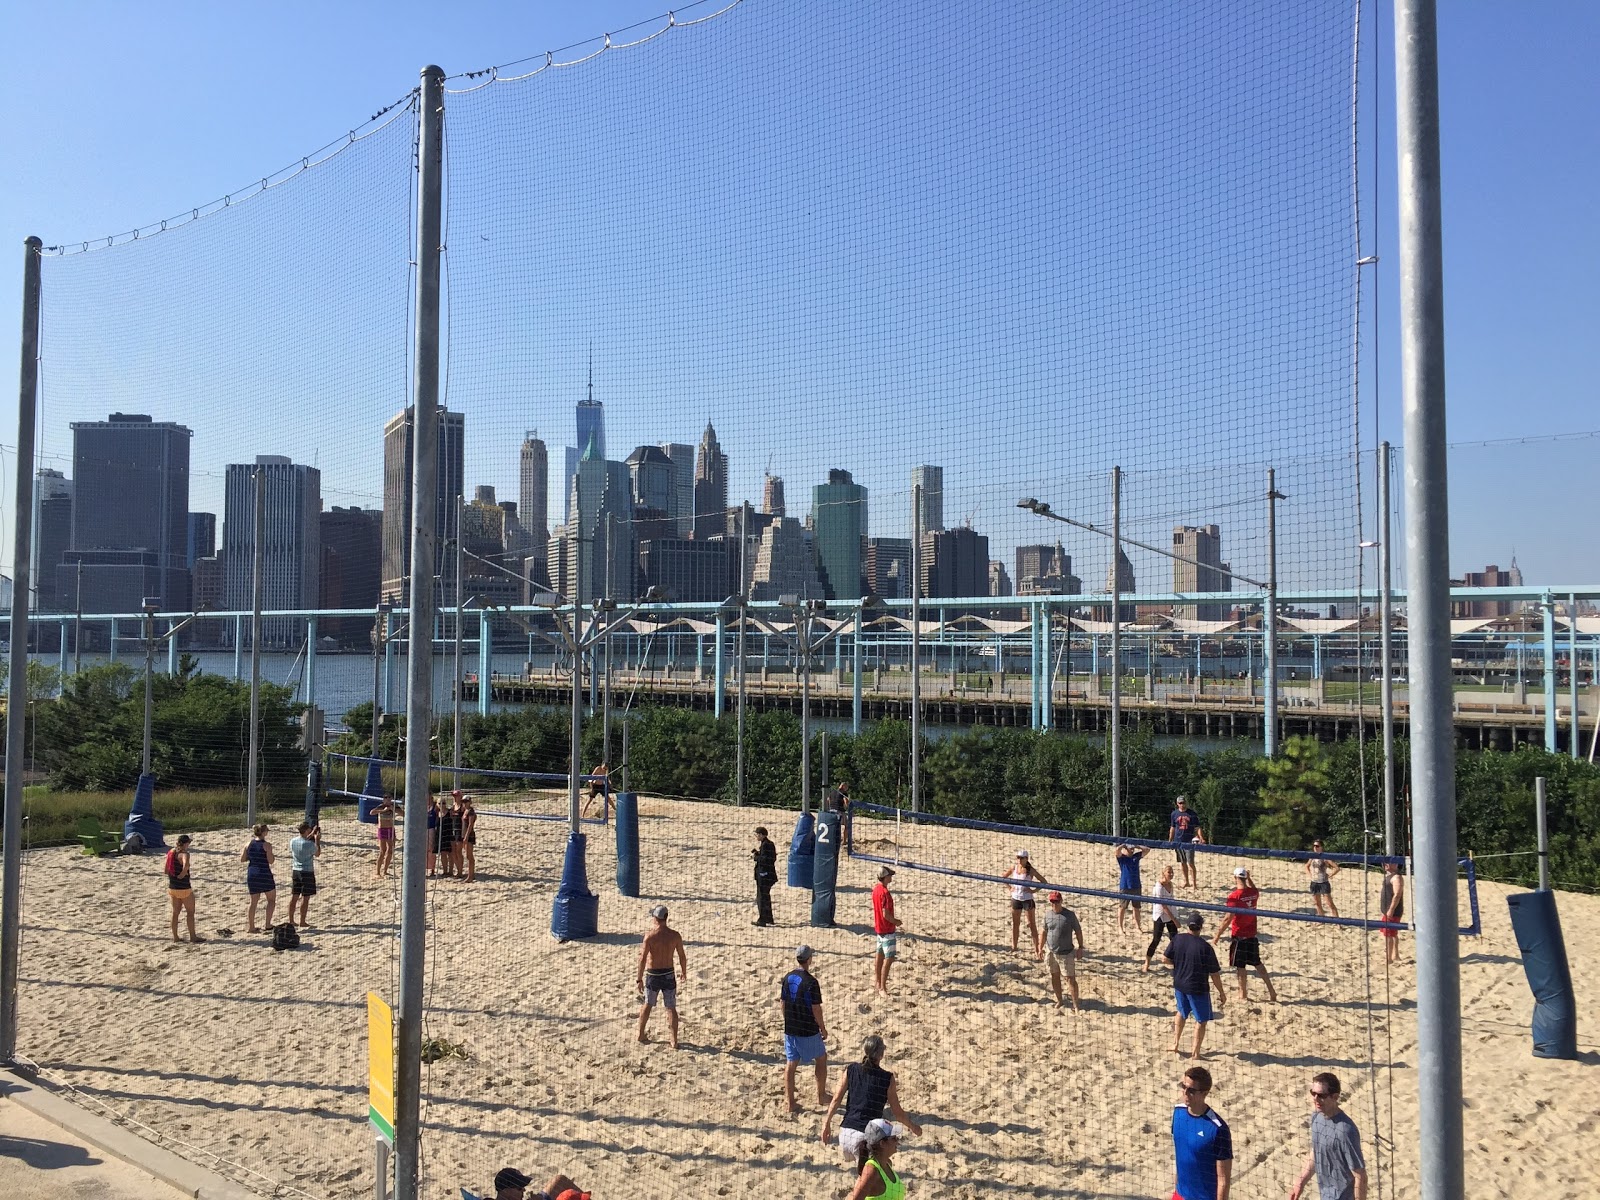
40,1161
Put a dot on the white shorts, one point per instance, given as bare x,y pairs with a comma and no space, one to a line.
850,1142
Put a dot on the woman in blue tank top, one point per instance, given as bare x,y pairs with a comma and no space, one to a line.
258,859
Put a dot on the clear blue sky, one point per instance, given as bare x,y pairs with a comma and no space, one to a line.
125,116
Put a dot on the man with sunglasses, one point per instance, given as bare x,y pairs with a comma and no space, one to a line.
1335,1156
1201,1141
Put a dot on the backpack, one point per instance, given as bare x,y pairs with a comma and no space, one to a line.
285,937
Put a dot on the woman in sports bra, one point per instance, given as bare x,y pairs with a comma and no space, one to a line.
384,814
878,1177
469,836
179,888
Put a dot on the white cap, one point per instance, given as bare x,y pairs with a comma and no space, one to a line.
1240,872
879,1129
1022,854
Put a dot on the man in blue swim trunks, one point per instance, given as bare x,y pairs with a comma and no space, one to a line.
1194,964
656,980
805,1031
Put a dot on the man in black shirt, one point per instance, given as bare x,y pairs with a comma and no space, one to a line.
805,1031
1194,964
766,859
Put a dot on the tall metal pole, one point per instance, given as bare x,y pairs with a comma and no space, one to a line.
1116,651
1572,671
380,635
575,739
1386,642
483,682
744,603
803,619
77,625
1540,817
605,649
149,671
256,581
17,677
419,660
1269,721
916,647
1428,601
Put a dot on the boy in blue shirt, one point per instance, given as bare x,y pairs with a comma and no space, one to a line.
1201,1141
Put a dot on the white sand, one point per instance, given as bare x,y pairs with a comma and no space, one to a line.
261,1057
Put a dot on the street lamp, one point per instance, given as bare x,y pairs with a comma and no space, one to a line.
141,816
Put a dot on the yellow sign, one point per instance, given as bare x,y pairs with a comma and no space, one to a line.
380,1066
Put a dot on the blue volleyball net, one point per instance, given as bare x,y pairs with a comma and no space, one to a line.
510,795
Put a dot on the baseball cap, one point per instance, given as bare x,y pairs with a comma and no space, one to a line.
510,1177
1182,800
1022,854
1241,872
879,1129
886,873
659,912
1195,920
803,953
1053,897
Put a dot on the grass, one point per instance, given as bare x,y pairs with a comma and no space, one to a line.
51,818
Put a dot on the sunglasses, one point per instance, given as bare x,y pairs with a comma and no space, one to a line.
1316,1095
1187,1090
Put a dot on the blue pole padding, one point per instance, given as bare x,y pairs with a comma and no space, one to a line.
825,869
1537,924
371,794
142,816
577,910
628,843
802,850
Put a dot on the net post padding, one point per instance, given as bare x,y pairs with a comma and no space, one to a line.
628,844
576,912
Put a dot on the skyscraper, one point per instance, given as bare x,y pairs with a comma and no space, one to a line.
291,574
785,563
772,495
130,513
999,581
202,536
591,428
888,568
710,486
352,564
681,508
52,537
839,526
1207,573
1046,571
593,557
650,471
533,495
955,562
931,513
397,489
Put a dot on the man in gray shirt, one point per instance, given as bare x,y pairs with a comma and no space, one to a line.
1060,927
1335,1147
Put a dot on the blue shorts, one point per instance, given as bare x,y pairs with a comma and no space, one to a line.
1196,1005
803,1049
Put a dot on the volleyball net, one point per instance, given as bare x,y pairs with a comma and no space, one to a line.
515,795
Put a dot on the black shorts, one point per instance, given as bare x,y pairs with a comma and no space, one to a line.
1023,905
1244,952
1321,889
303,883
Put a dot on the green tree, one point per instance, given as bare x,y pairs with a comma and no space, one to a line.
1294,795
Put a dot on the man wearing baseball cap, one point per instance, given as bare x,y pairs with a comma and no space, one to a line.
512,1184
656,978
805,1029
1194,965
1244,947
886,925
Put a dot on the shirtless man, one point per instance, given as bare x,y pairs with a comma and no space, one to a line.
656,976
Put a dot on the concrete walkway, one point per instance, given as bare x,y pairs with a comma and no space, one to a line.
50,1149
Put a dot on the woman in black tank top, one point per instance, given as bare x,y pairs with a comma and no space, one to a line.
180,890
870,1089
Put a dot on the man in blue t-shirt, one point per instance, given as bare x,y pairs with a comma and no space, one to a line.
1201,1142
1186,832
805,1031
1128,884
1194,969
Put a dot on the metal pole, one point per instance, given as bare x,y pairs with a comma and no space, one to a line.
256,582
380,635
1269,721
1548,606
744,603
575,746
605,649
1572,670
1428,601
1544,833
149,697
855,670
916,647
1386,643
455,761
1116,651
805,705
77,626
17,677
419,662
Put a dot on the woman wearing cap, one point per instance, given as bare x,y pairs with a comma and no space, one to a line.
875,1162
1022,901
870,1088
1320,870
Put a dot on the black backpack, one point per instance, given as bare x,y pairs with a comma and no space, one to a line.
285,937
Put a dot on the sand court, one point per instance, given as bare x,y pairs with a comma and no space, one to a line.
228,1049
